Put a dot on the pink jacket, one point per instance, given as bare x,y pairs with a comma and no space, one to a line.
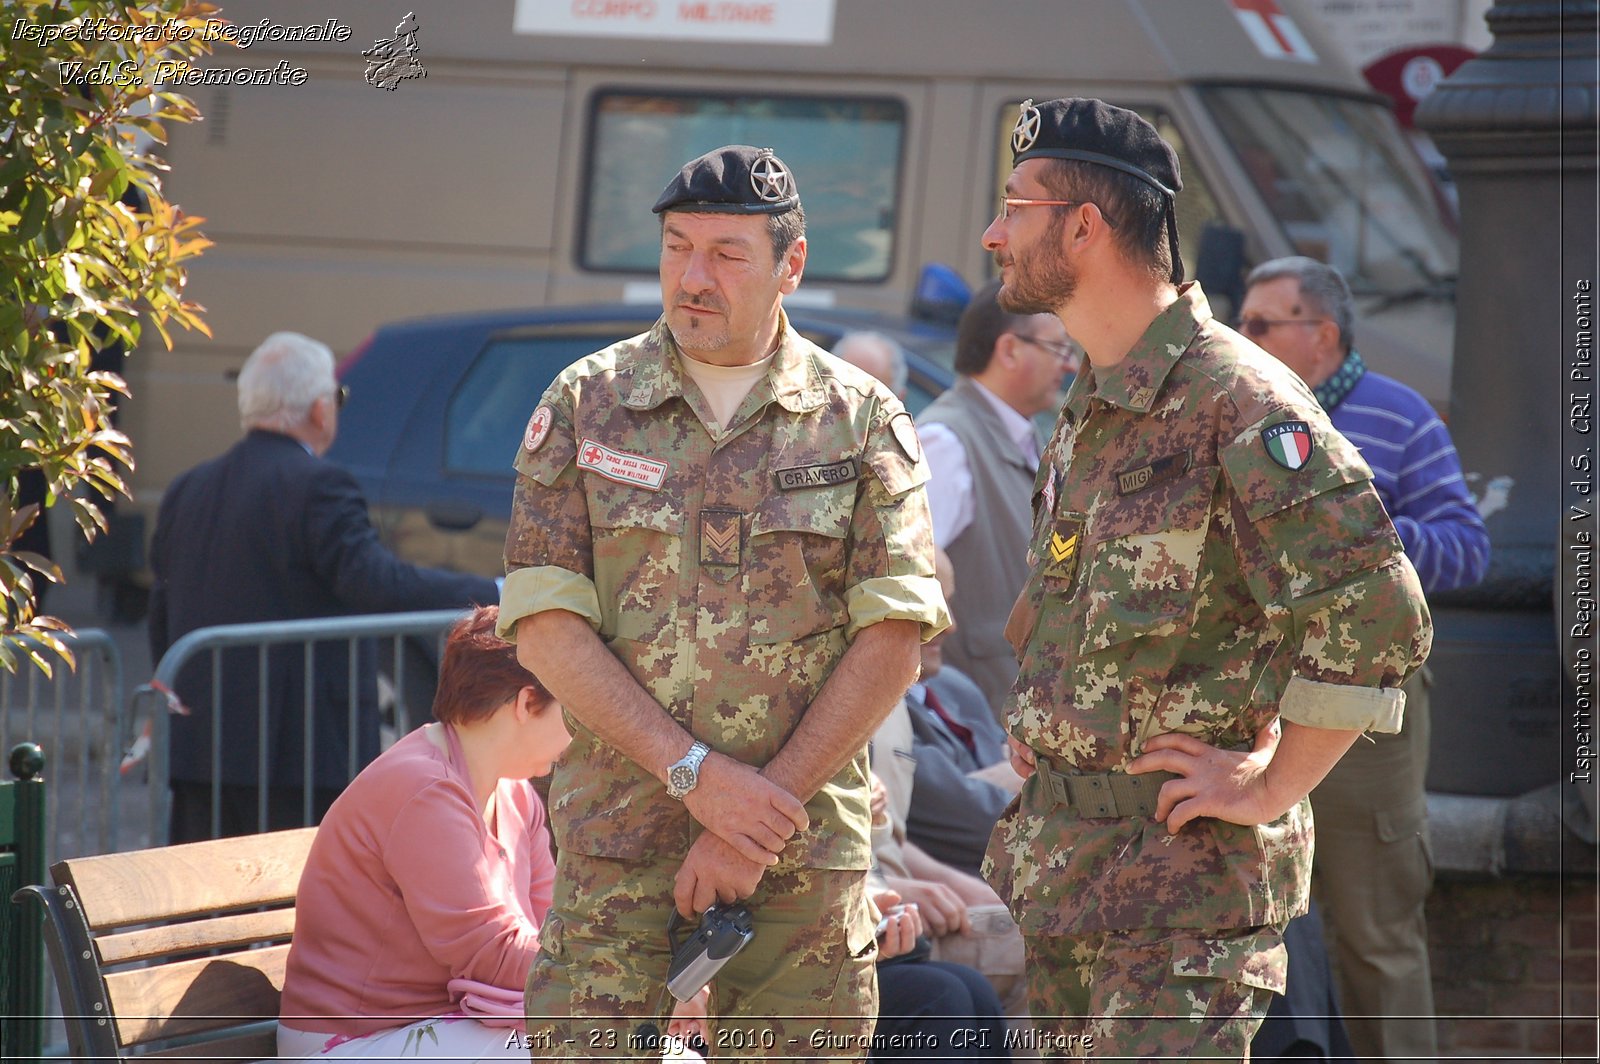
406,889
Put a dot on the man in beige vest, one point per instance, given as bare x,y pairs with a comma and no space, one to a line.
983,451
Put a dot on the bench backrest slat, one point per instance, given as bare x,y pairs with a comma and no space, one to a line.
189,997
223,932
189,879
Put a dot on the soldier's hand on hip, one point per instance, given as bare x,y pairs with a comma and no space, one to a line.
1226,784
714,871
1021,757
748,811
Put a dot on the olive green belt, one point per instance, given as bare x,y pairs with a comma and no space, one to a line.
1104,794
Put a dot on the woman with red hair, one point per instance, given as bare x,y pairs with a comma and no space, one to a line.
418,913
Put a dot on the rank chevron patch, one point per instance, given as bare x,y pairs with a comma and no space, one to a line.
719,537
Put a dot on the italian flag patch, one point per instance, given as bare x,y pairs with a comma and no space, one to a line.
1289,443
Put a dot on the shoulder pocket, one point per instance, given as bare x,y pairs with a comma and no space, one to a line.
1258,463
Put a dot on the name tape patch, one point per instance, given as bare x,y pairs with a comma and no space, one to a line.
622,467
1160,471
816,476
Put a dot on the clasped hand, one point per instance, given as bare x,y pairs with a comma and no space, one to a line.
749,812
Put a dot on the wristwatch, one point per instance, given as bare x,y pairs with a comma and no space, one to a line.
684,773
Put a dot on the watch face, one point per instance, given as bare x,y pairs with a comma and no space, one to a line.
682,778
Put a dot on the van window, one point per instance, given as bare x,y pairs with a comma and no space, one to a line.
489,410
1343,185
1195,204
845,154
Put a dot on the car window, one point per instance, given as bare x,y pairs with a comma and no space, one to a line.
491,406
845,153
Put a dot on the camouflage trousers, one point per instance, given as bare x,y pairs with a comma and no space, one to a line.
805,985
1151,994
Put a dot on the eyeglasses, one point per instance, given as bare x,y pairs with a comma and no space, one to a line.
1062,351
1256,328
1010,203
342,396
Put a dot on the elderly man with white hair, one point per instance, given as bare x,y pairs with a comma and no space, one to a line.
271,531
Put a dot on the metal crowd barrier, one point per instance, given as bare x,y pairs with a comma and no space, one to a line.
156,701
79,717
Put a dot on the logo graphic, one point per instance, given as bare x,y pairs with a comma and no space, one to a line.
538,429
770,180
1026,131
1289,443
393,61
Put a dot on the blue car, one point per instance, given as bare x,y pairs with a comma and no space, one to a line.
438,406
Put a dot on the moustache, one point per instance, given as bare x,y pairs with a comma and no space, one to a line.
700,302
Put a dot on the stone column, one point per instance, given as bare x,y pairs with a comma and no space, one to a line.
1518,127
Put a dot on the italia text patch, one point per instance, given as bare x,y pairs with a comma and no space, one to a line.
622,467
1288,443
816,476
1160,471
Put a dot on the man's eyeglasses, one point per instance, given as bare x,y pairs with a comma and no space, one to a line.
1011,203
1064,352
342,396
1256,328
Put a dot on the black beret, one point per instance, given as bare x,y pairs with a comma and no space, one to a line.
737,179
1093,131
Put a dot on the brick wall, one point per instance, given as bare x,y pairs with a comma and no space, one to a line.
1511,957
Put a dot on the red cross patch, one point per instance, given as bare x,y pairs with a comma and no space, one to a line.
538,429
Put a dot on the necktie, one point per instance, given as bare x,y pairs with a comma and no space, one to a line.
959,730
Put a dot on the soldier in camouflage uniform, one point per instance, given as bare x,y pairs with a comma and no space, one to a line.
1208,557
719,538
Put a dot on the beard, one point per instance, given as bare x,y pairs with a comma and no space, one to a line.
1040,283
693,332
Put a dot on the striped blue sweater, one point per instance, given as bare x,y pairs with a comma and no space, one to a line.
1418,477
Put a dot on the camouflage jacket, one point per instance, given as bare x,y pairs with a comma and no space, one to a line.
1207,551
726,570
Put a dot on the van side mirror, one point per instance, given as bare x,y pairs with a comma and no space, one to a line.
1219,267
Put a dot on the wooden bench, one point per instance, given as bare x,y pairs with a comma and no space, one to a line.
177,951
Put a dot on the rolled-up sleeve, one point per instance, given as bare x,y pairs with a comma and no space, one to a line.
891,550
1329,571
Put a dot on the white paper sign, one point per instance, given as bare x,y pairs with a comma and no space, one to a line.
752,21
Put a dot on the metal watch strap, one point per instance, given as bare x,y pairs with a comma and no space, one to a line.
692,761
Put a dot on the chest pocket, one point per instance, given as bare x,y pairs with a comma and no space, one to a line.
1143,559
638,556
795,576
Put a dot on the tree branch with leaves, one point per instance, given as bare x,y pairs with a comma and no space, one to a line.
90,250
